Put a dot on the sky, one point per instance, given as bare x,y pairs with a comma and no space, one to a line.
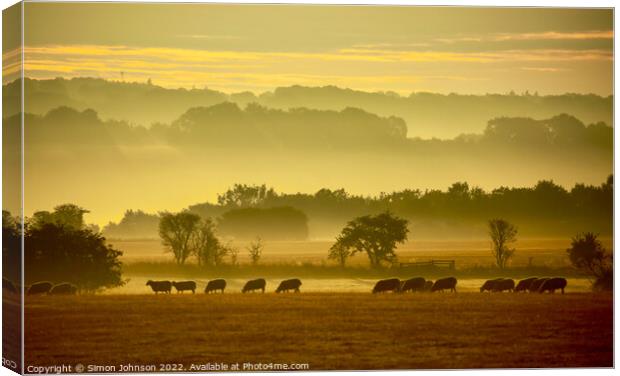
235,48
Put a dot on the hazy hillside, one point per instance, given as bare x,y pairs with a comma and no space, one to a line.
426,114
444,116
109,166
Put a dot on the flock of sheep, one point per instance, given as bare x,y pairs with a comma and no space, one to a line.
417,284
40,288
218,285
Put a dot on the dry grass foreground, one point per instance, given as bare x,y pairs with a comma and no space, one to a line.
342,331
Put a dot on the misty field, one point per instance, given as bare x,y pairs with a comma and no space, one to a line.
467,252
146,259
325,330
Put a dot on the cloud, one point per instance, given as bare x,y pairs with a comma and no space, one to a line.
542,36
78,57
373,67
553,35
544,69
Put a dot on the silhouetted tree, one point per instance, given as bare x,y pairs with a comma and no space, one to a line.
64,254
234,254
243,196
68,215
176,231
588,254
502,234
255,250
376,235
339,253
205,244
222,251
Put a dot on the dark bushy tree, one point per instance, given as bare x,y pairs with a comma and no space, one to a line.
588,254
64,254
67,215
375,235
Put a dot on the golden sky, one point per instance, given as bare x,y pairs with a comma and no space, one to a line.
258,47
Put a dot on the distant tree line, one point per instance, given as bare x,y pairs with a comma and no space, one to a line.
245,211
443,116
135,223
258,127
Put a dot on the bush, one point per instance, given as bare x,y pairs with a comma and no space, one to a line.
64,254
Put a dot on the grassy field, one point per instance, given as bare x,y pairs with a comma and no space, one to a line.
343,331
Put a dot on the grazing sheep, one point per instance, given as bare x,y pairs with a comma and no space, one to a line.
185,286
428,285
536,284
64,288
289,284
160,286
552,284
8,286
392,284
413,285
524,284
489,285
504,284
214,285
39,288
444,284
255,284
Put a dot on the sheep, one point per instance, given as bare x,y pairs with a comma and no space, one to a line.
552,284
185,286
536,284
524,284
289,284
504,284
214,285
160,286
489,285
255,284
413,284
64,288
444,284
392,284
40,288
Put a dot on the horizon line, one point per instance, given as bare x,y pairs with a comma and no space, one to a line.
509,92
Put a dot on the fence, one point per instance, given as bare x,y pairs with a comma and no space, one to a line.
450,264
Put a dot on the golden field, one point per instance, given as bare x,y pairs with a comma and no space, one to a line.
344,331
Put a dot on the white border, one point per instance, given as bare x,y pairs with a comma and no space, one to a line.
478,3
